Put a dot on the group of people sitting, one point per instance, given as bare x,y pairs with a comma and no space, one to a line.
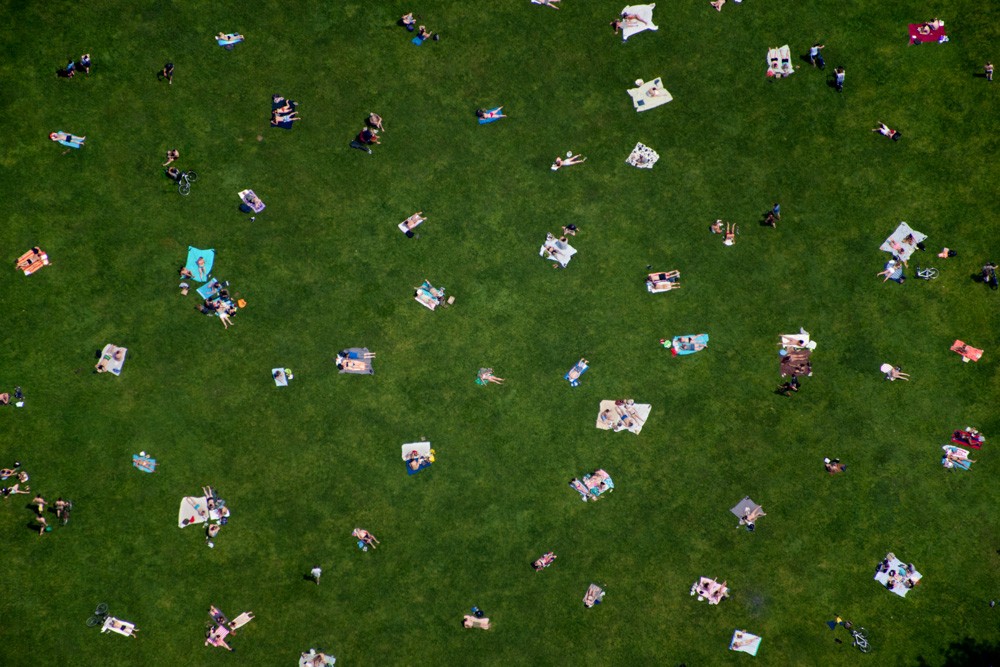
283,112
623,416
728,229
956,457
349,361
710,589
592,485
409,22
429,296
368,136
69,70
902,575
663,281
416,460
111,359
19,477
221,627
218,302
968,437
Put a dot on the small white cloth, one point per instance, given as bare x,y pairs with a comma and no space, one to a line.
644,20
649,94
642,157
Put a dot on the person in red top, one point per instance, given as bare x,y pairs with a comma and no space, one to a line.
365,139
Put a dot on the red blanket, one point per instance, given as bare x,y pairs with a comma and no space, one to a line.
933,36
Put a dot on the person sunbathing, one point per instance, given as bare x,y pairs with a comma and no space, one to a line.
577,370
171,156
116,354
14,490
930,26
547,3
486,375
749,518
279,118
213,639
656,91
365,537
544,561
731,232
893,373
672,276
374,120
353,365
423,33
228,37
408,21
30,258
689,343
887,131
65,136
717,227
200,266
568,161
834,466
217,615
473,622
892,269
740,642
9,472
717,4
414,220
485,114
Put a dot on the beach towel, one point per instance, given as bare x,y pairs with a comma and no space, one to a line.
108,362
194,254
420,450
556,250
241,620
250,201
894,245
968,352
143,462
353,360
72,141
939,35
960,458
622,416
30,262
635,26
745,642
194,509
573,374
118,626
679,348
417,40
649,95
594,595
231,39
642,157
779,61
206,290
281,377
902,572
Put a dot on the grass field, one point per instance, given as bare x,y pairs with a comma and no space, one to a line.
324,268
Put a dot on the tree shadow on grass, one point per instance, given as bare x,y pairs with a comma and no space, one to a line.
968,653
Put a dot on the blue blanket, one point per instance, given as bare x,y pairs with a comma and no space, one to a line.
411,471
581,368
201,275
680,349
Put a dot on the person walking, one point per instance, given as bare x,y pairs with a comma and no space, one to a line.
316,573
988,71
776,211
838,79
167,73
815,57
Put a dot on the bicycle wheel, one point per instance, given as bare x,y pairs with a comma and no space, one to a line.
931,273
861,641
184,188
94,621
192,177
101,610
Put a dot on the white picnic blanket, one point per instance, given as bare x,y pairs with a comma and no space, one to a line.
193,510
119,626
310,659
421,448
642,157
114,366
900,588
902,231
649,94
619,416
280,377
634,26
783,55
557,250
799,341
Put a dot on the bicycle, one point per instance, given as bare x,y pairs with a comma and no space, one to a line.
184,182
100,614
929,273
861,639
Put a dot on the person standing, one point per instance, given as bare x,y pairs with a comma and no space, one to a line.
316,573
838,79
988,71
815,57
85,63
776,211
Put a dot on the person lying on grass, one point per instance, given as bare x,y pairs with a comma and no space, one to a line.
833,466
365,536
490,113
279,118
731,231
568,161
887,131
930,26
414,460
486,375
751,517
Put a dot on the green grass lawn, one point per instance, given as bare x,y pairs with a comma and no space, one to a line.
324,268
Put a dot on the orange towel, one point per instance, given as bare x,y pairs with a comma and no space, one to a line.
967,351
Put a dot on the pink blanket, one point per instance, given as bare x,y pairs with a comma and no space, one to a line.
934,35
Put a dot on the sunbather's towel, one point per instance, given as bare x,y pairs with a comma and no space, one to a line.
695,344
968,352
193,510
741,636
205,291
939,35
744,507
307,659
491,118
236,39
421,448
113,365
904,250
613,420
280,377
649,94
251,201
36,261
194,254
557,250
642,157
902,570
581,368
594,595
801,340
644,20
144,463
779,61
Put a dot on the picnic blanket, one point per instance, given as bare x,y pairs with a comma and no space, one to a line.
281,376
622,415
642,157
779,61
939,35
557,250
744,507
29,262
353,360
286,125
895,245
795,362
649,95
710,589
679,348
194,509
194,254
314,659
143,462
744,641
959,458
902,572
108,361
420,450
250,201
644,20
968,352
573,374
594,595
